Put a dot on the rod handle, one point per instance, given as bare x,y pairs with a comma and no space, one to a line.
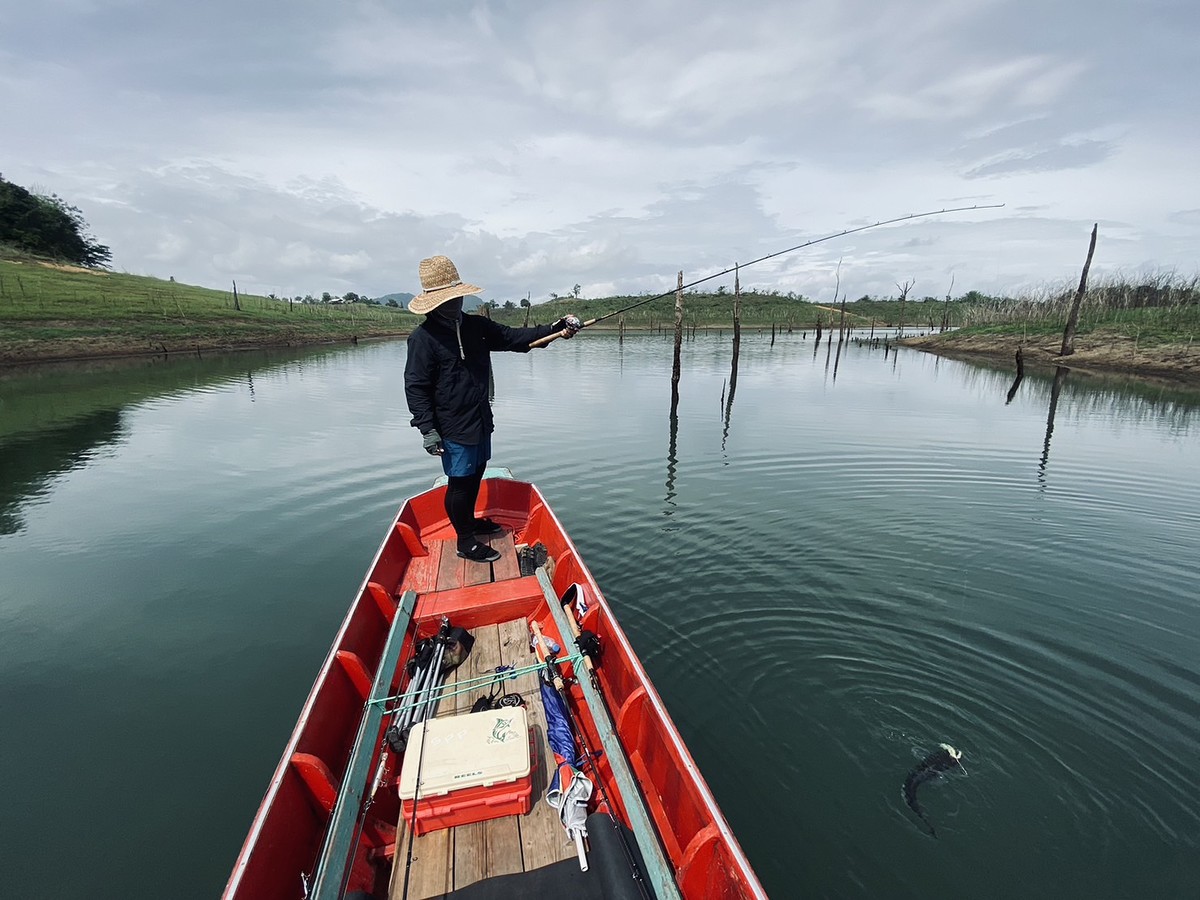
574,626
548,339
540,644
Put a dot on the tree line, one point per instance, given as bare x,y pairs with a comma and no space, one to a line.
46,225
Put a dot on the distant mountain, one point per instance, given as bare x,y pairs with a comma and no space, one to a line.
470,304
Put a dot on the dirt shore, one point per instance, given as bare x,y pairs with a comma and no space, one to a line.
1098,351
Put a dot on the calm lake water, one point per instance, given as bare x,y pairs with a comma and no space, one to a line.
861,556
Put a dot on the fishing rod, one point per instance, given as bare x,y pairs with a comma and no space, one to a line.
554,671
541,342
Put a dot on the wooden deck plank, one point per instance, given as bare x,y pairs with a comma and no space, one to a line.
421,575
452,567
505,853
470,841
543,840
433,853
506,566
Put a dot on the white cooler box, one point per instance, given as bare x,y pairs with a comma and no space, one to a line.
474,767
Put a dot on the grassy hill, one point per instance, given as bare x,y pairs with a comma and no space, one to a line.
716,310
53,311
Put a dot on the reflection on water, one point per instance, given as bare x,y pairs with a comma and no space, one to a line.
30,461
53,417
1060,375
733,375
863,568
672,457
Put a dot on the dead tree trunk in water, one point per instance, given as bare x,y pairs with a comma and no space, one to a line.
946,308
737,316
1068,344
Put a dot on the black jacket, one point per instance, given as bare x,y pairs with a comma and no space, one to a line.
447,393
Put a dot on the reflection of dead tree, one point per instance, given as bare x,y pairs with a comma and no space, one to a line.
904,289
737,348
1012,391
672,454
1060,374
1068,342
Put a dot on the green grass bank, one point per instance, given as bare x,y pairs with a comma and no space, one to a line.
50,312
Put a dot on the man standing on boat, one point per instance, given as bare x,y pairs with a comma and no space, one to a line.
446,384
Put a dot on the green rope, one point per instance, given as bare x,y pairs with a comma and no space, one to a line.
463,687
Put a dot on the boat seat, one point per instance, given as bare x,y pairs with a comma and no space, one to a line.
608,876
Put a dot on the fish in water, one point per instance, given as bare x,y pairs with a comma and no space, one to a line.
943,759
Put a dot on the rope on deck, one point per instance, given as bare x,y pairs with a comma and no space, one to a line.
471,684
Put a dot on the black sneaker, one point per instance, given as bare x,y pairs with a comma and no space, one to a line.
487,527
477,552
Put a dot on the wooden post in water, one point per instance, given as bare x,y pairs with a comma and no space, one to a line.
1068,342
737,315
678,337
842,321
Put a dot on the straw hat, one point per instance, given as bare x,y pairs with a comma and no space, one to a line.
439,283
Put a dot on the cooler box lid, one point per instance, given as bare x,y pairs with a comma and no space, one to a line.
471,750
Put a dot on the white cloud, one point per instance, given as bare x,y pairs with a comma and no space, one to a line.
608,144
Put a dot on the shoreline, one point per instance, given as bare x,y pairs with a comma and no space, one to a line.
1102,352
116,349
1107,352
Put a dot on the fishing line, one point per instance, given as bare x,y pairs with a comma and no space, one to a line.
814,241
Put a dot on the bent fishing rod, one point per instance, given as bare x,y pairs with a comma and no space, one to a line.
541,342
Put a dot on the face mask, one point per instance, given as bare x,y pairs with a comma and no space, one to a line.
449,312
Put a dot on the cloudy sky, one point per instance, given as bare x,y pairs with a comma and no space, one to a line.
306,146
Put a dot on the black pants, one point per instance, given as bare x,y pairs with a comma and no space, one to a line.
461,494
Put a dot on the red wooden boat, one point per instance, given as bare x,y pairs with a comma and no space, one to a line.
332,823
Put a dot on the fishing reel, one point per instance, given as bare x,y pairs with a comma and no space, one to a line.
493,699
589,644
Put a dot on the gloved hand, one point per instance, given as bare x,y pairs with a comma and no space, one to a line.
570,324
433,443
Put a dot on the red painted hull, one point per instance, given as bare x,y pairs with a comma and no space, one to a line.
289,828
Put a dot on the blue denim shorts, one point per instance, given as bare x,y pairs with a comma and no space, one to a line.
461,460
